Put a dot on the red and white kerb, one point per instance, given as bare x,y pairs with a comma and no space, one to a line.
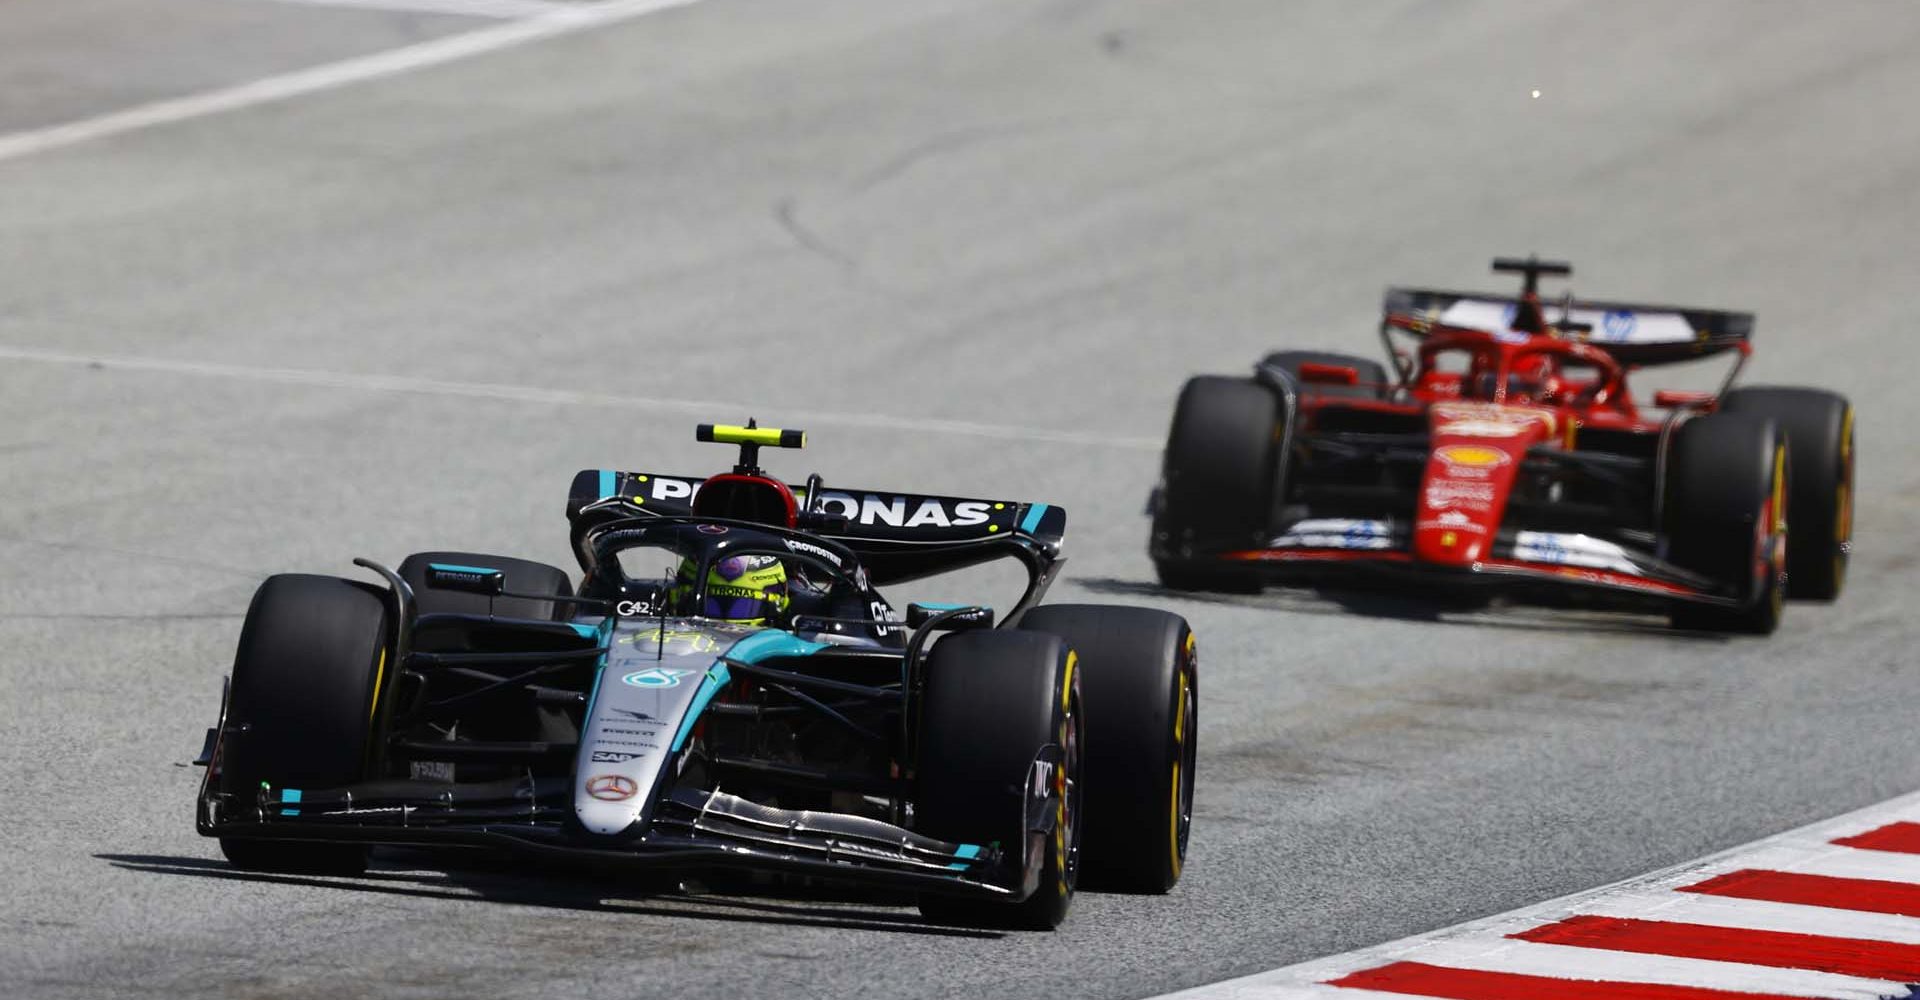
1831,910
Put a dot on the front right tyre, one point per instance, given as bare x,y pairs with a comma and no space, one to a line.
312,654
1218,484
1139,677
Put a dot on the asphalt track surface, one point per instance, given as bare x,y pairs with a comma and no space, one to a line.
975,247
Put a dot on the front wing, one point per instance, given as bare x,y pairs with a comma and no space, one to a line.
692,831
1537,564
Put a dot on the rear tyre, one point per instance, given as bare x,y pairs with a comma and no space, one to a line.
300,714
522,577
1819,430
992,702
1373,374
1727,518
1139,678
1220,478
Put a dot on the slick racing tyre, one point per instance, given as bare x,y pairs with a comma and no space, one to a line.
1138,676
522,577
992,702
300,714
1726,515
1219,483
1819,429
1373,374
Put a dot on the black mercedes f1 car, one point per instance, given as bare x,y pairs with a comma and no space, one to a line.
724,690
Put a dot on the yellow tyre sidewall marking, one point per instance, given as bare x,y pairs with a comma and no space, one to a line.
1060,790
1179,756
1777,505
379,677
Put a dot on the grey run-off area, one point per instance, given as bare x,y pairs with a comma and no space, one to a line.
1037,216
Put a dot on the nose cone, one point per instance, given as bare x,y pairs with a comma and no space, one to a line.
1477,450
1461,499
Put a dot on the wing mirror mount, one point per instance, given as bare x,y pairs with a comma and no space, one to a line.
950,617
466,579
1684,399
1319,374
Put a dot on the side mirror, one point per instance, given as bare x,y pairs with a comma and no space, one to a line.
967,616
1319,374
466,579
1683,399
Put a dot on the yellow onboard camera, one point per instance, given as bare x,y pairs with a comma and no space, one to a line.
751,439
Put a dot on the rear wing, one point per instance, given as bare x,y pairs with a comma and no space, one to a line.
1634,333
898,536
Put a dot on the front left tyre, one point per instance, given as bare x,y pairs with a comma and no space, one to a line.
300,713
1139,677
994,702
1726,519
1819,429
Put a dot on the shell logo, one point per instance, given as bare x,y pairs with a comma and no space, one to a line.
1471,456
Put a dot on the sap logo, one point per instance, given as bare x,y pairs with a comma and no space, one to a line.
611,757
869,508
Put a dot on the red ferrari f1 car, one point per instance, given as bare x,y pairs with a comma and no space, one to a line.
1506,451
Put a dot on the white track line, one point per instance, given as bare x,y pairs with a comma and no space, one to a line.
461,8
1485,944
568,397
561,21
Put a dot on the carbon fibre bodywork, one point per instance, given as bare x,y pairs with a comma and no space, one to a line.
1505,453
630,733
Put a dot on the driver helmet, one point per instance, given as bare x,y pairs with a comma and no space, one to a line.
744,589
1532,380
